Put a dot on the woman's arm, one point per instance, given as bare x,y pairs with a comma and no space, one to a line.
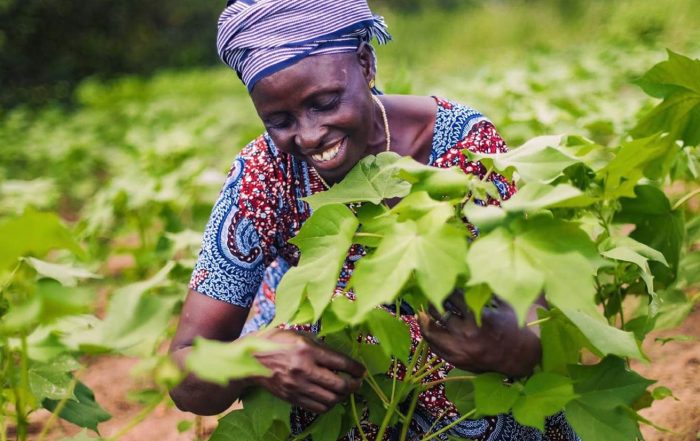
303,372
499,345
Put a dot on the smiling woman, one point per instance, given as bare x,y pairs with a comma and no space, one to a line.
310,69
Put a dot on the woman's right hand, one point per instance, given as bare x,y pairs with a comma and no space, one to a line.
307,373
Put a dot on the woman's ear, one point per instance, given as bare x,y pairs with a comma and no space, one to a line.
365,56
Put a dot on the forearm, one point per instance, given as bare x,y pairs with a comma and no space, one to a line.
201,397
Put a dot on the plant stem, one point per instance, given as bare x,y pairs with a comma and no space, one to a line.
429,371
409,415
353,406
451,425
685,199
431,384
21,419
11,276
135,421
377,390
362,234
55,414
537,322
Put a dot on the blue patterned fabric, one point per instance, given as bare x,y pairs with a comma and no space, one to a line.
257,38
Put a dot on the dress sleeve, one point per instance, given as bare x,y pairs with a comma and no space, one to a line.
481,138
234,251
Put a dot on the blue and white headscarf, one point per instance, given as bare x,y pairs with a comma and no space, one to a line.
260,37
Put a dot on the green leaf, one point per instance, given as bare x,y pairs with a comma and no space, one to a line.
439,183
327,426
35,234
634,160
532,255
656,225
393,333
460,392
436,256
608,384
544,394
592,423
484,218
476,298
677,80
323,242
136,318
419,206
604,338
263,417
375,358
49,381
662,392
561,342
492,395
67,275
536,196
220,362
538,160
373,179
83,411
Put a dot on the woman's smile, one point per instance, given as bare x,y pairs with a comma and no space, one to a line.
332,156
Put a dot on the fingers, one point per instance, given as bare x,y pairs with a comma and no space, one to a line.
339,384
336,361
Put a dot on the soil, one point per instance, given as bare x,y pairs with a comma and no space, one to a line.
675,365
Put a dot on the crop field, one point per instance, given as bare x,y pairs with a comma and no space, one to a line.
103,202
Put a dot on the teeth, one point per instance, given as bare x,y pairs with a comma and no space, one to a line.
327,155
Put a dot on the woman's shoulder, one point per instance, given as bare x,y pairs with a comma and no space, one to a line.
461,126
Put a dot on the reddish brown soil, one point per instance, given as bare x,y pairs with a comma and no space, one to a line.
675,365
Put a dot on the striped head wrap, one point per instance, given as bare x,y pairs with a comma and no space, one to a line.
260,37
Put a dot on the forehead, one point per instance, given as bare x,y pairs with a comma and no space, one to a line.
312,74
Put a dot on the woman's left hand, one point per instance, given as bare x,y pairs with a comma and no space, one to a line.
499,345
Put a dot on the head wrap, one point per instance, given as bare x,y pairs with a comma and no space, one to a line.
260,37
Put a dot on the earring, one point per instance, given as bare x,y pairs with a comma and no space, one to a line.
371,83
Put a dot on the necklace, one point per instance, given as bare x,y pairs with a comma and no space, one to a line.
387,133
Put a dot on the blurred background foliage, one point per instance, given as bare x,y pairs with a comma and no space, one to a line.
48,46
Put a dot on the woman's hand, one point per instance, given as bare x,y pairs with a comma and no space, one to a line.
499,345
308,374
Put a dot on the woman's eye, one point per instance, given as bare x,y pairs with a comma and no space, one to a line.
278,124
325,105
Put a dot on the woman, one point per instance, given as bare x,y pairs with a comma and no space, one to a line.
310,70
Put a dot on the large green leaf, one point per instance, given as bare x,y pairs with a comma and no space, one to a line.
538,160
35,234
436,256
536,254
263,417
492,395
220,362
634,160
67,275
393,333
561,342
544,394
604,338
440,183
608,384
323,242
373,179
460,392
536,196
327,426
51,380
677,81
592,423
136,318
656,225
83,411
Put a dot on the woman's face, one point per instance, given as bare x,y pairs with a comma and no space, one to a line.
321,111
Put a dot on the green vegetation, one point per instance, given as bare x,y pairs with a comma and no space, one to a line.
101,205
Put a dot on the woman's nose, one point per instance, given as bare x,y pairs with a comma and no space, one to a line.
309,135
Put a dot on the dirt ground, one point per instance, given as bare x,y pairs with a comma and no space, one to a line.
676,365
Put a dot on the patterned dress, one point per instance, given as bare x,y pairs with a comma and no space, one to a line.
245,252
